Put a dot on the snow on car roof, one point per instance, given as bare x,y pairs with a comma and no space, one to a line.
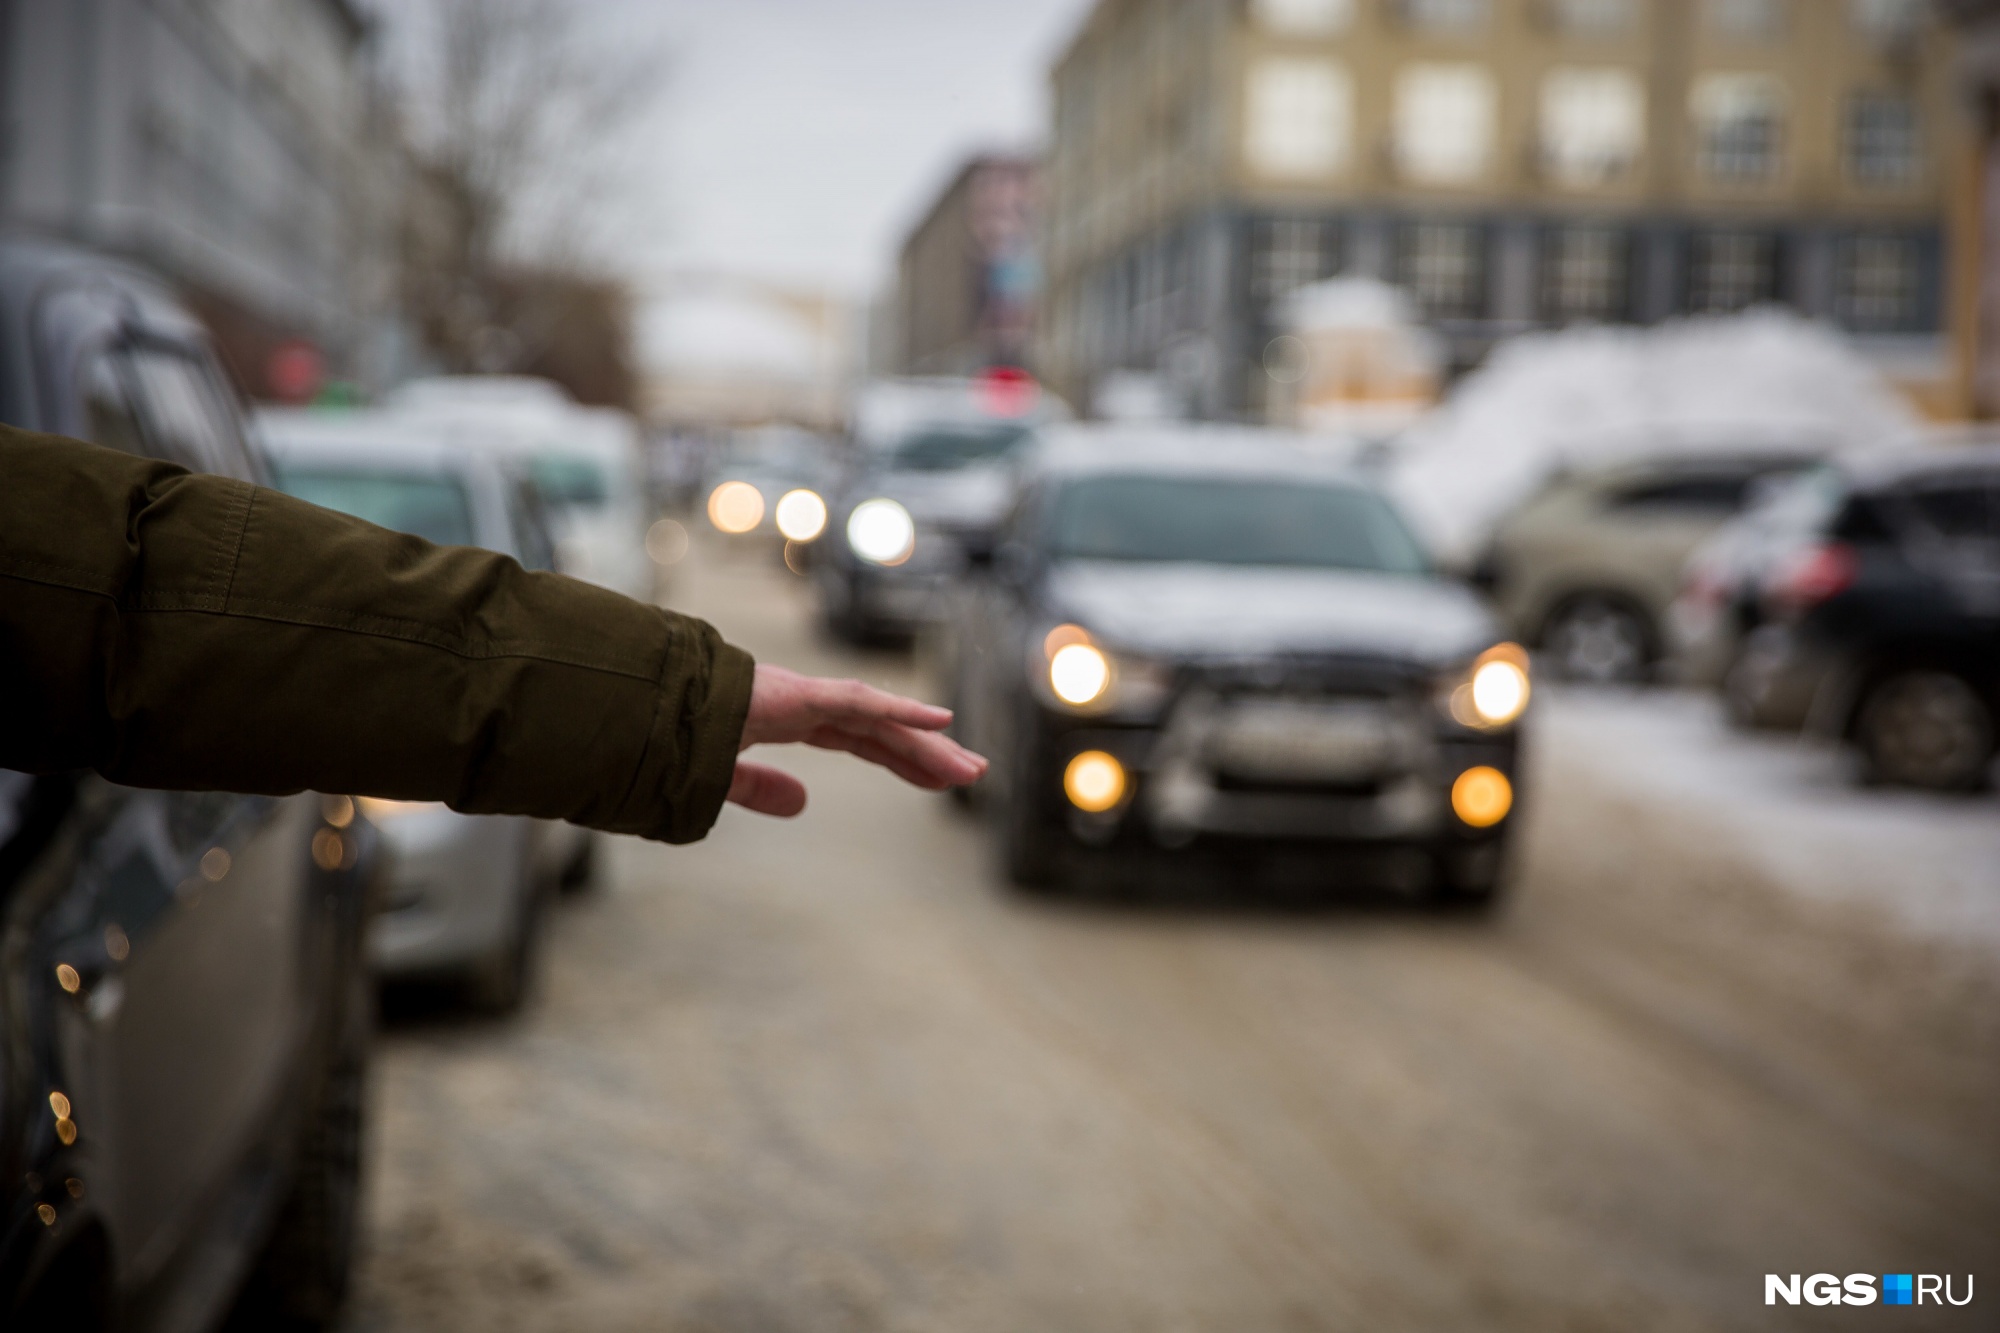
1192,449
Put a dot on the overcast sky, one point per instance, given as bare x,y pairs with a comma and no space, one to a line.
797,139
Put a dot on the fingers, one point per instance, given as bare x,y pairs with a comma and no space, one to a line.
922,757
851,701
767,791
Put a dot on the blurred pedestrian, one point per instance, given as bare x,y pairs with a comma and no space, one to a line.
193,632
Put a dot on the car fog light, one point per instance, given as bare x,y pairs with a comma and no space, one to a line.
1482,796
1079,673
801,515
735,507
882,532
1094,782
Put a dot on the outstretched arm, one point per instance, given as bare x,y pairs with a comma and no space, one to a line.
193,632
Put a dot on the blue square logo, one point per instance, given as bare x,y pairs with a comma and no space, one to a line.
1898,1289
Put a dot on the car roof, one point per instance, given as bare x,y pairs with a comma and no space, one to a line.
305,436
1904,466
1190,449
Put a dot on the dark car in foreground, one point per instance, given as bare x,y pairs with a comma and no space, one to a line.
184,1014
1878,621
1195,636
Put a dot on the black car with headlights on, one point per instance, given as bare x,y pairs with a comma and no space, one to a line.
927,480
1208,636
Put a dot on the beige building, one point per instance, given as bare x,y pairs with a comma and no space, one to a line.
1511,163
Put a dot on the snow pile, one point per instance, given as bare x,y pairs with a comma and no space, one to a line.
1544,401
1349,303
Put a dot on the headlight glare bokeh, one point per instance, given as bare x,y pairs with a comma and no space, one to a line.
735,507
801,515
882,532
1079,673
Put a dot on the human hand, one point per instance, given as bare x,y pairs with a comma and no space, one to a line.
900,734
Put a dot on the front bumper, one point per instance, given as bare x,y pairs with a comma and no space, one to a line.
1185,785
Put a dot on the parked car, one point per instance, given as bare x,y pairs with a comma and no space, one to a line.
1880,622
466,894
184,1015
585,460
928,478
1194,635
1720,602
1586,569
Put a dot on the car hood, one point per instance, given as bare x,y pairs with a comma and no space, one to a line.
968,497
1196,611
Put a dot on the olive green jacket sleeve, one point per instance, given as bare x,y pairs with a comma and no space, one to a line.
192,632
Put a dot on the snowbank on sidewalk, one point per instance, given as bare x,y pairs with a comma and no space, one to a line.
1789,809
1579,396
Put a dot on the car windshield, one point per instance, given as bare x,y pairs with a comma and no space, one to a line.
1232,521
570,481
948,448
424,504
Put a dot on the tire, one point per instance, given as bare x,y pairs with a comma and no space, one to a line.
1030,844
580,875
301,1280
1470,879
1927,729
1599,640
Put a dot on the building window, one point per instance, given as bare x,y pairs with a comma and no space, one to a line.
1593,125
1593,18
1739,126
1445,117
1584,274
1303,18
1886,21
1288,253
1745,20
1877,284
1299,118
1882,147
1447,15
1443,265
1730,270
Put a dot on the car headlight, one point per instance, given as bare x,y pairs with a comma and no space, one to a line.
1079,673
735,507
881,532
1071,669
1493,692
801,515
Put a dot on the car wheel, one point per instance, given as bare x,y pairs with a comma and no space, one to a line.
1030,843
1470,878
1600,640
580,875
301,1280
1926,729
500,983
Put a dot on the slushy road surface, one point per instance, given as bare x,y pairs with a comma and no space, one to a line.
834,1075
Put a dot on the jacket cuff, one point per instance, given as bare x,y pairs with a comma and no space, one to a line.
706,729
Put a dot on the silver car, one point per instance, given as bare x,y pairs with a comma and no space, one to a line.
466,893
